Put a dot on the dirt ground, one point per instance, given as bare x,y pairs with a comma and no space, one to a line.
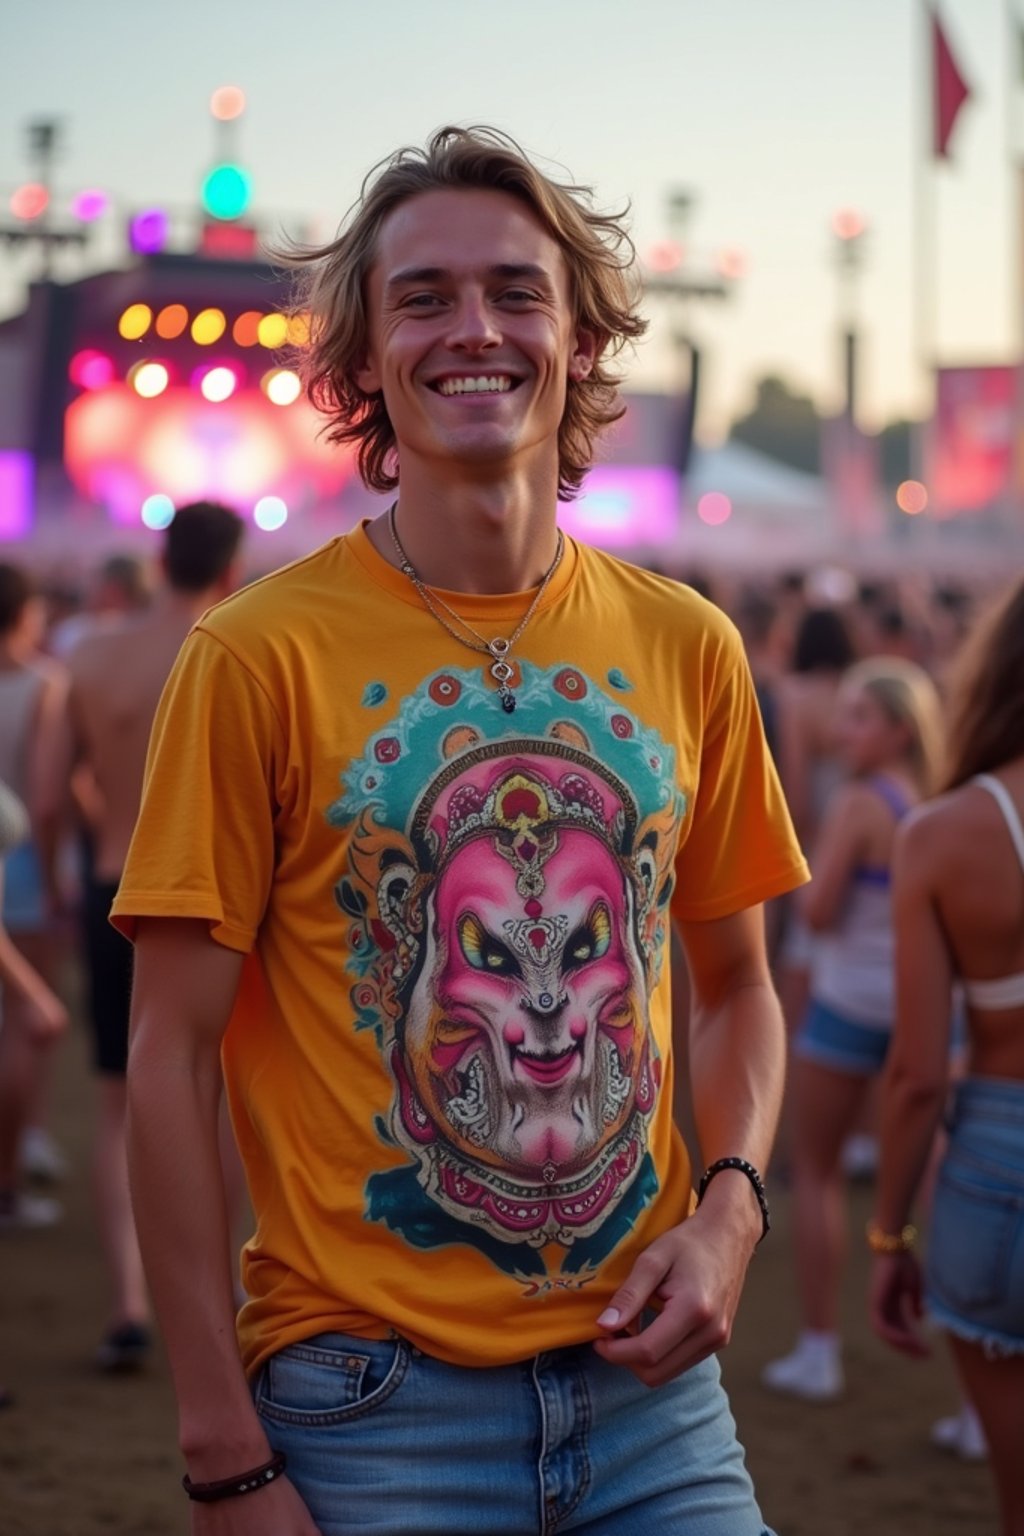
81,1455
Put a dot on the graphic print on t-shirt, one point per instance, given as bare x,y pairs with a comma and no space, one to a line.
507,891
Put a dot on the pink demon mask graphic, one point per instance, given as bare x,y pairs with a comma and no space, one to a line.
526,1029
520,925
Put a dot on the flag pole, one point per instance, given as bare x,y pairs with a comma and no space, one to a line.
924,254
1015,57
1012,84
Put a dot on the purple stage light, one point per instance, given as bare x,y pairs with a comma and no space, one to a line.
147,233
16,498
625,506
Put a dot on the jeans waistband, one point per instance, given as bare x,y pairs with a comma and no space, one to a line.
989,1099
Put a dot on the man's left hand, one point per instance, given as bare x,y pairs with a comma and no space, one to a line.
695,1272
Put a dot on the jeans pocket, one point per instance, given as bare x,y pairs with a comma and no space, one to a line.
325,1383
970,1247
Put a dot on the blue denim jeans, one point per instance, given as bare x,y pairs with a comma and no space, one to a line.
974,1275
380,1437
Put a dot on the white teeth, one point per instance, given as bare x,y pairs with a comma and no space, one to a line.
495,384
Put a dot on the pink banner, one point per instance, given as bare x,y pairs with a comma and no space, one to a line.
971,450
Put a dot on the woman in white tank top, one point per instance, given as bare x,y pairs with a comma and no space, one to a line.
888,731
959,907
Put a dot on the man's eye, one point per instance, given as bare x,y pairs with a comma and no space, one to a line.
423,300
519,295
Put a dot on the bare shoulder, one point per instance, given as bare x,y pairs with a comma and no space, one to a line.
944,828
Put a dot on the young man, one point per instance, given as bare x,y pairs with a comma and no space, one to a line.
419,811
117,674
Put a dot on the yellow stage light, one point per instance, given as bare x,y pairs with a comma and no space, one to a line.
272,331
208,326
135,321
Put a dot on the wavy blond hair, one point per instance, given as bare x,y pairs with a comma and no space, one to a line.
907,695
331,290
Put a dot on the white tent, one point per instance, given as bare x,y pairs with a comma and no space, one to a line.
757,485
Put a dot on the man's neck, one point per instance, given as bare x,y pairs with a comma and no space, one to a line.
473,536
184,608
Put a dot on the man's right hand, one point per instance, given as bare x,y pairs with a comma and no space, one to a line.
276,1510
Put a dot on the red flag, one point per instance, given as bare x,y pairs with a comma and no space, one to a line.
949,90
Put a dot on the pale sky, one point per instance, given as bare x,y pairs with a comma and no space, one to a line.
774,113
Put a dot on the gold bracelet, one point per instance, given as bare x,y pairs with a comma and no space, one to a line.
890,1242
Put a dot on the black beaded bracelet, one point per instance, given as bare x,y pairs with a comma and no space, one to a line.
231,1487
742,1166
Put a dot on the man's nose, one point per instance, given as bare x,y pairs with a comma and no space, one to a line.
473,327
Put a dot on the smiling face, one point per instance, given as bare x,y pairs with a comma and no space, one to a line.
867,735
472,338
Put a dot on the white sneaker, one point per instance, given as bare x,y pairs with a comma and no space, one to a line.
859,1157
813,1374
27,1212
961,1434
40,1157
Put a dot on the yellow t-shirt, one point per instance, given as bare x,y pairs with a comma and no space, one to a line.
449,1064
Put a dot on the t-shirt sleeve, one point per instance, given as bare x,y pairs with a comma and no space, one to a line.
203,846
740,848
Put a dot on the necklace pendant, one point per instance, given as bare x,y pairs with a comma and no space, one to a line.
499,647
507,697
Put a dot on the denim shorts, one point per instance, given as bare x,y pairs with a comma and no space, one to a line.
974,1273
24,905
831,1040
381,1437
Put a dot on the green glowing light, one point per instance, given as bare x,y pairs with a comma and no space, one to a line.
226,192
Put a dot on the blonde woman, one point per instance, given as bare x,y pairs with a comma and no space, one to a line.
44,1016
959,909
888,731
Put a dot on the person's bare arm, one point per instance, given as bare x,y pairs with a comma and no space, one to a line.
917,1071
185,985
840,845
55,751
737,1068
49,1017
916,1077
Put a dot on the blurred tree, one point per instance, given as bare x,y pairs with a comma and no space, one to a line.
783,424
786,425
894,443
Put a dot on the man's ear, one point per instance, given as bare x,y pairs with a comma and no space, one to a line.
367,376
587,347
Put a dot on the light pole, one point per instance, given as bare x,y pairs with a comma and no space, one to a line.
669,274
849,228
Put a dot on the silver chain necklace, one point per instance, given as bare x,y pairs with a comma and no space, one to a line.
498,648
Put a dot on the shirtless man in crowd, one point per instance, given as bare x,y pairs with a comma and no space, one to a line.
117,675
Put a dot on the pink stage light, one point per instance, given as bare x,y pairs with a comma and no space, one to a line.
90,369
30,201
227,103
119,450
90,205
16,494
714,508
667,256
625,506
